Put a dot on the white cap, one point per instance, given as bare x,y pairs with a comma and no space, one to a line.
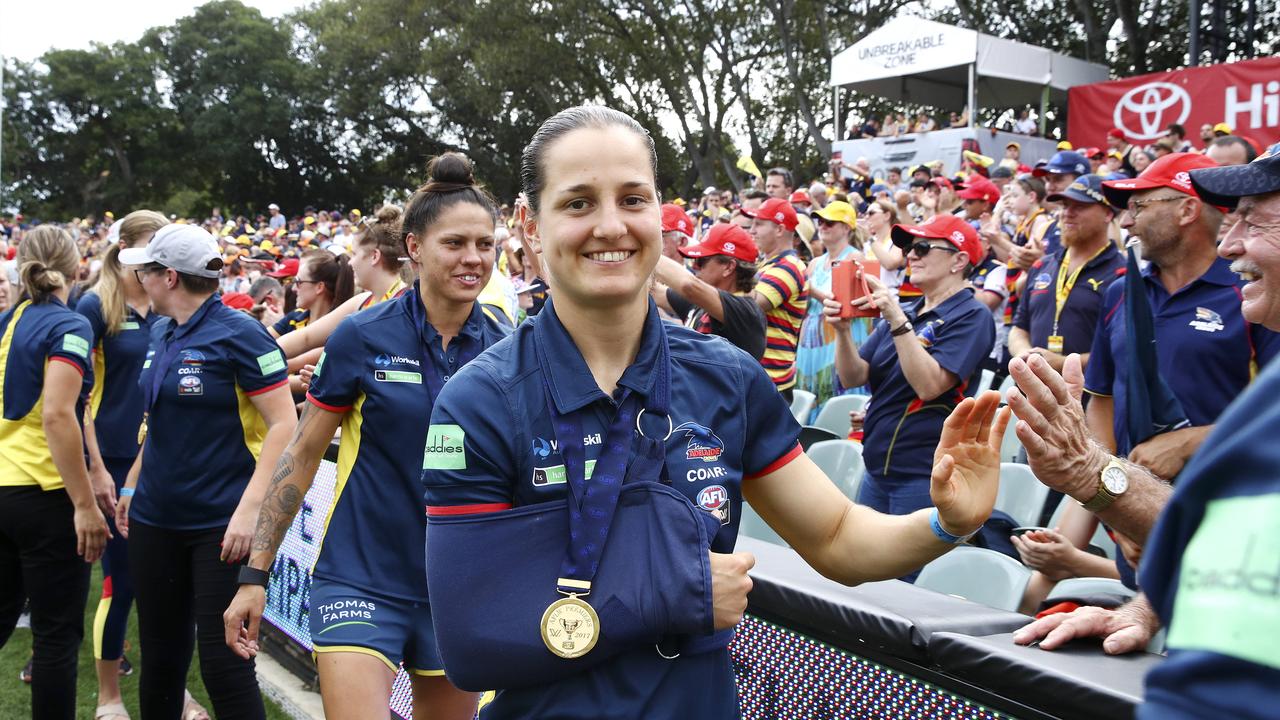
711,190
113,235
306,235
189,249
273,206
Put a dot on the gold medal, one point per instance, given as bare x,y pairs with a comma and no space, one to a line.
570,627
142,430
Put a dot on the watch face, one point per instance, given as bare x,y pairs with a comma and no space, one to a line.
1115,480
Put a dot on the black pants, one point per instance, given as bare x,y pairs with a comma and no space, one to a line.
182,589
38,560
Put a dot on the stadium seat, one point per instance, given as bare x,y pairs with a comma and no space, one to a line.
841,460
979,575
1082,587
754,526
1021,495
984,381
810,436
834,415
1010,445
802,402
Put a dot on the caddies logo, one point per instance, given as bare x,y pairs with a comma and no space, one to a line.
703,444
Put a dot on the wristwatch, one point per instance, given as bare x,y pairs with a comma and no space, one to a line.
902,329
253,576
1111,485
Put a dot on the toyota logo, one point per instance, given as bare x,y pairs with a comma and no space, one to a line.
1145,111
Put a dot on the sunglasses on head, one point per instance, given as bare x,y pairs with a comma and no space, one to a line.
922,248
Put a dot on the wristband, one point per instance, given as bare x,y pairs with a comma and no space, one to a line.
935,523
253,576
902,329
127,491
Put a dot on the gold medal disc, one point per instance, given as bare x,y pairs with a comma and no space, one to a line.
570,627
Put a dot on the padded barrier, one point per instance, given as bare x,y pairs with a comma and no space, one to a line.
965,643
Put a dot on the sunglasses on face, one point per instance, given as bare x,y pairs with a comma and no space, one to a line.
922,249
823,222
702,261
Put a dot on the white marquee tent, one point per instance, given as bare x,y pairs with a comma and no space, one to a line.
918,61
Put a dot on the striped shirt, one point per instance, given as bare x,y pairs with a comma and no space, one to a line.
781,281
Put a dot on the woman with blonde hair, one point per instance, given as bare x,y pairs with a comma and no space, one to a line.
50,526
119,316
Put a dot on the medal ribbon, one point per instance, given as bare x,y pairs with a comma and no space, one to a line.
592,503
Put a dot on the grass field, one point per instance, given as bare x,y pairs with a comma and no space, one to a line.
15,695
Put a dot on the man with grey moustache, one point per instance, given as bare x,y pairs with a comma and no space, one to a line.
1209,566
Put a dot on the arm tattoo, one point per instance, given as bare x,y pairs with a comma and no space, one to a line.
283,497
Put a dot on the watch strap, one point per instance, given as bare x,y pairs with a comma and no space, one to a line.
253,576
902,329
1103,498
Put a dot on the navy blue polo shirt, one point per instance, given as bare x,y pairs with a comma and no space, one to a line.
1083,306
292,321
32,335
115,402
1052,238
1201,323
1211,569
729,423
203,433
901,430
378,370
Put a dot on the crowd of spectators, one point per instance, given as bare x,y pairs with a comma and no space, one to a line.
967,269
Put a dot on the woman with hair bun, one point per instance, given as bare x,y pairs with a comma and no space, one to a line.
378,256
378,378
51,528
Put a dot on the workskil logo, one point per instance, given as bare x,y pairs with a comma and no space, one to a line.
703,444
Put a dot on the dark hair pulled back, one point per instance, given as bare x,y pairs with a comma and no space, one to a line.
449,181
532,172
334,271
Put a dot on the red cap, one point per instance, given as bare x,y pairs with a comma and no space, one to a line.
775,210
1171,171
675,219
942,182
724,239
1116,133
799,196
287,269
1092,152
980,188
237,301
942,227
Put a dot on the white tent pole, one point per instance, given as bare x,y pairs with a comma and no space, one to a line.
972,97
838,127
1044,110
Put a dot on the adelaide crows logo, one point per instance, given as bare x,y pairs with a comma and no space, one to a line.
703,444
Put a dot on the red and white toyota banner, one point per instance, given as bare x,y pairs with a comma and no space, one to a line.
1244,95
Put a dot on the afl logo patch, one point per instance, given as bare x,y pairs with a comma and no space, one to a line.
715,500
190,385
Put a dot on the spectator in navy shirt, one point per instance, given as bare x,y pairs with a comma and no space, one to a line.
1209,565
1063,295
918,360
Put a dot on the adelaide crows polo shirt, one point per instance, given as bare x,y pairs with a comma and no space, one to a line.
203,432
1080,312
116,403
1206,351
901,430
728,423
31,336
378,369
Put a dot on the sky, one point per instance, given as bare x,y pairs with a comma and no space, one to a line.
31,27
